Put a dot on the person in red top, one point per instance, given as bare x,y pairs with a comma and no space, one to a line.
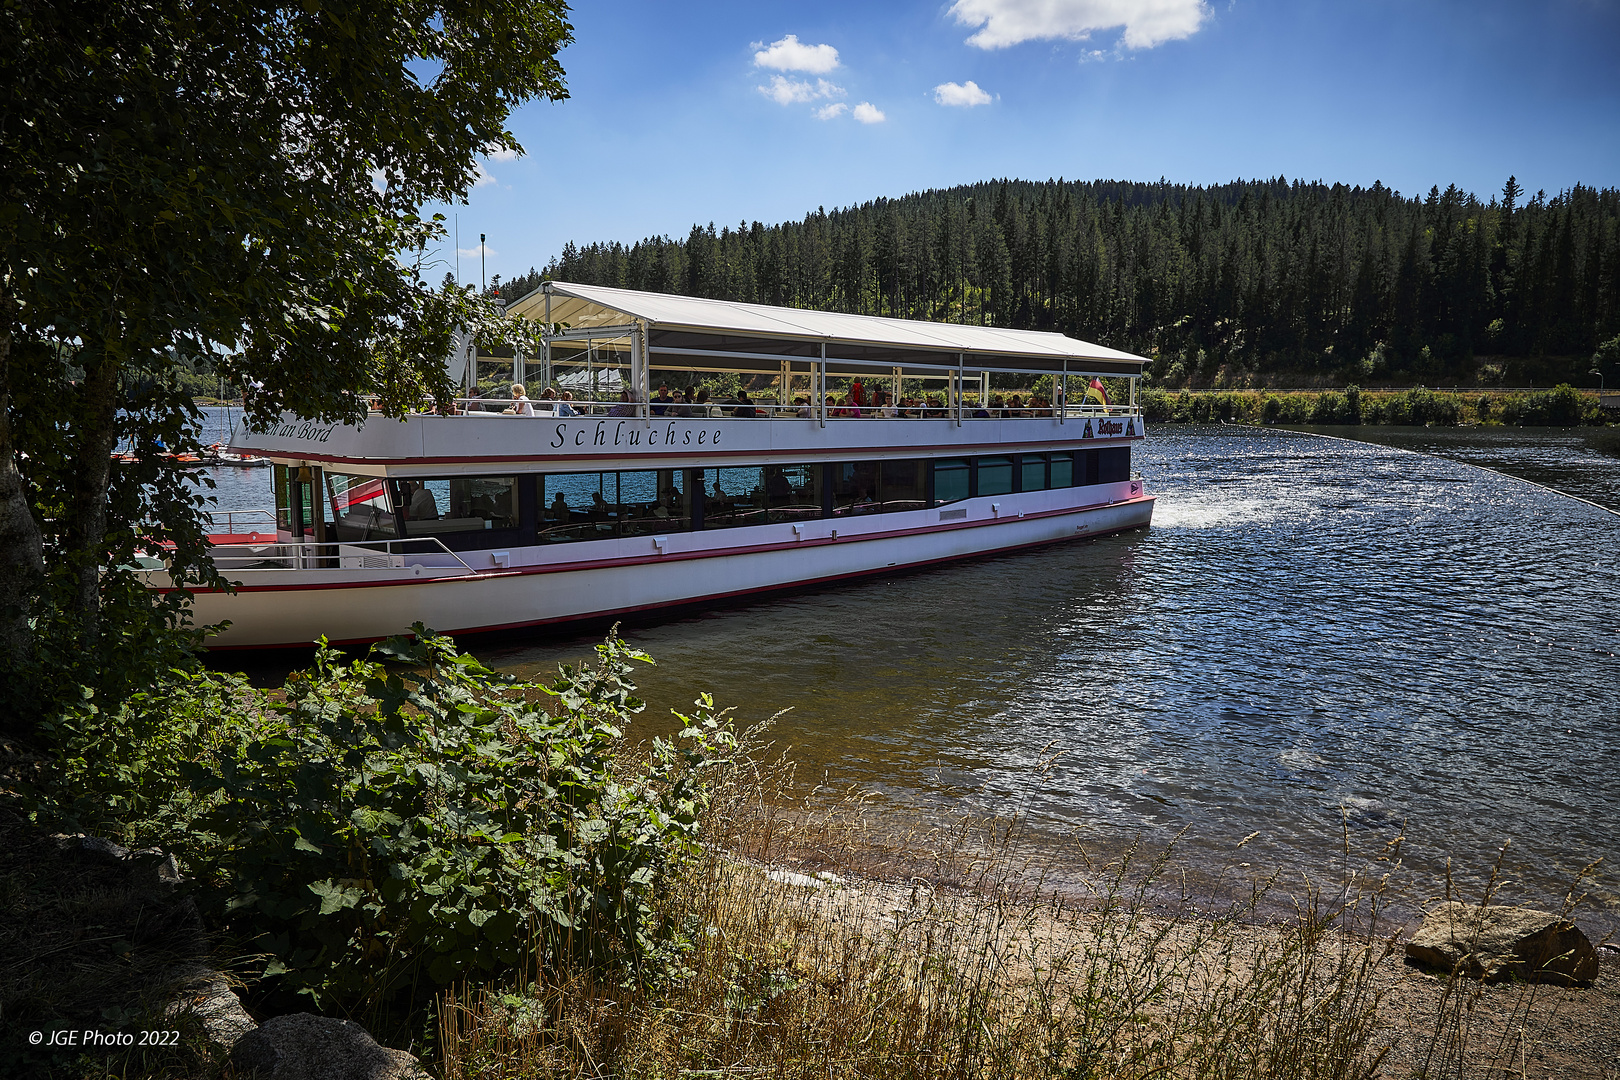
857,394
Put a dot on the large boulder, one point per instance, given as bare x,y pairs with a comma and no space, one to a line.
1494,943
309,1047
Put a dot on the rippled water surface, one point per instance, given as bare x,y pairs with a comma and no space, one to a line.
1315,633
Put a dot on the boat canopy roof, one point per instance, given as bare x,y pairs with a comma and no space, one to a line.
699,334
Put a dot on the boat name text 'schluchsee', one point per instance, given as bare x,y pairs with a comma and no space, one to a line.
855,446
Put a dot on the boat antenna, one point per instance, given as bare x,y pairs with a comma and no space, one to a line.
458,251
483,284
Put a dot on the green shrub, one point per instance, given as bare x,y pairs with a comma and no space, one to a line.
1562,406
412,819
1271,409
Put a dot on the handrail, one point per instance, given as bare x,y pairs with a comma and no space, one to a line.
312,555
232,518
679,410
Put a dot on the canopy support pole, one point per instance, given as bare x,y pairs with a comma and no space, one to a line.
545,342
960,375
819,381
1062,396
640,378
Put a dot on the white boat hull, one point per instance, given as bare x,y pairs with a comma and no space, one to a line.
569,582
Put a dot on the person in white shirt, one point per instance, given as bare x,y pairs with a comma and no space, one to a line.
520,401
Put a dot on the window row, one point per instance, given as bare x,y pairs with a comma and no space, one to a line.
497,511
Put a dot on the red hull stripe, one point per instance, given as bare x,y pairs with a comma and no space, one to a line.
561,620
682,556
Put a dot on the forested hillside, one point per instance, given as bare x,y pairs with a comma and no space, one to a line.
1273,281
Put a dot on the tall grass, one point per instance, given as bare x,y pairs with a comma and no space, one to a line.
997,974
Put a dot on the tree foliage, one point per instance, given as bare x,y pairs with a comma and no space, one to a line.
189,180
1312,280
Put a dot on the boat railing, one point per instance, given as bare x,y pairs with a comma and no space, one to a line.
427,552
490,407
242,522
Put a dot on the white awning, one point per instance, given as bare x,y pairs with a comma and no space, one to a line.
686,326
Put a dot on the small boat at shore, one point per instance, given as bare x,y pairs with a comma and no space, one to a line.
548,512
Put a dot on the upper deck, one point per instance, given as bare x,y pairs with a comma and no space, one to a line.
927,389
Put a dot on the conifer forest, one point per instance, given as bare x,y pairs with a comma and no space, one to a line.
1248,283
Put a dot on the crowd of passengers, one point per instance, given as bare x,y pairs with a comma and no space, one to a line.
695,402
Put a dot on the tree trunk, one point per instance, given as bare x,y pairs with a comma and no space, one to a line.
22,562
98,412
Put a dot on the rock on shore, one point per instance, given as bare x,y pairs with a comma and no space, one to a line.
1494,943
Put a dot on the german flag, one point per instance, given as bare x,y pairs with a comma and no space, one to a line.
1095,392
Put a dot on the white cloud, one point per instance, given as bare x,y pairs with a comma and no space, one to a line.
501,153
965,95
786,91
1147,23
867,113
484,176
474,252
832,112
791,54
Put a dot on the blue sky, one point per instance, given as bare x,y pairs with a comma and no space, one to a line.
724,112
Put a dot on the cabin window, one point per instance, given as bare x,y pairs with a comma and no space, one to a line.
903,485
1085,464
459,505
950,481
995,476
1062,470
1032,473
360,507
1114,465
601,506
651,501
879,487
760,495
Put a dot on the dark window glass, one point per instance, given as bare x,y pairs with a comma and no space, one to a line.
1062,470
577,506
950,481
360,507
1115,465
1086,467
438,507
1034,473
735,497
651,501
600,506
902,485
995,476
280,482
855,488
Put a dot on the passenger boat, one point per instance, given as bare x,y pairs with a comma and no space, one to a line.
487,520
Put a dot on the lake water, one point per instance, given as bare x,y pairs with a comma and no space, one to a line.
1318,636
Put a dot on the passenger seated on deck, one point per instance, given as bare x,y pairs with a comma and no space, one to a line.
559,405
559,509
520,401
599,505
745,409
423,506
626,405
804,406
